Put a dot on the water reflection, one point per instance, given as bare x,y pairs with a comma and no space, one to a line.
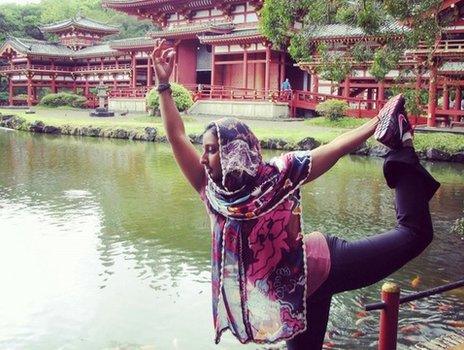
104,245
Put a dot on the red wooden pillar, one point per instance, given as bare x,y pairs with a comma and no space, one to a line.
29,83
116,62
380,94
389,316
267,72
432,96
213,67
102,65
29,89
457,103
445,97
346,88
175,73
53,83
315,82
86,88
369,97
457,100
245,69
149,73
53,76
134,70
282,71
10,90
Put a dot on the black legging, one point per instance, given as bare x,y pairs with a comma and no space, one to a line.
366,261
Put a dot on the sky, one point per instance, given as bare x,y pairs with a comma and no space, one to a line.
22,2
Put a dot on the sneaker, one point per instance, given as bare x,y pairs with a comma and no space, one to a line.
393,123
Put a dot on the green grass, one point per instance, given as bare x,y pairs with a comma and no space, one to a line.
344,123
450,143
320,129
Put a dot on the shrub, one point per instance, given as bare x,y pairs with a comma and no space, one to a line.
43,92
63,99
21,96
332,109
3,96
181,95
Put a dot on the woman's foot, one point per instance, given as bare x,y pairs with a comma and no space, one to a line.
394,127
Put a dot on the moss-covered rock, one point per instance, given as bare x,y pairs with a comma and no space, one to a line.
308,143
439,155
458,227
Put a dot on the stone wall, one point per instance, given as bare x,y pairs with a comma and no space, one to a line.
127,104
248,109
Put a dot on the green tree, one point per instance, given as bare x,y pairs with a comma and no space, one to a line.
292,23
25,20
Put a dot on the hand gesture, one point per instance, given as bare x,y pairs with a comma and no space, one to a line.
163,61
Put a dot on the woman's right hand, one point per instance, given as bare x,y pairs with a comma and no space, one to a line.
163,61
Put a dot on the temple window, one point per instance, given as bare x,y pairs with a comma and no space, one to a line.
251,17
239,19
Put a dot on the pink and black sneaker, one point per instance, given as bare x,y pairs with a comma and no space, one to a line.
393,123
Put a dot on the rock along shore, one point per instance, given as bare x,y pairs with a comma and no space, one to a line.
151,134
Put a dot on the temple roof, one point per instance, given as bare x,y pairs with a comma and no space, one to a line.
37,47
131,43
103,49
53,49
452,67
335,31
215,27
237,36
83,23
165,5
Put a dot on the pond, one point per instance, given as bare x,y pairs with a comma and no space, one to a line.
103,245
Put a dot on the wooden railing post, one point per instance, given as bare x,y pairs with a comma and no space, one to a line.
389,316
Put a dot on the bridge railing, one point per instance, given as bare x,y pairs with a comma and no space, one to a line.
220,92
389,307
358,107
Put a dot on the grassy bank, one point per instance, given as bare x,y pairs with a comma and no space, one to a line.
284,135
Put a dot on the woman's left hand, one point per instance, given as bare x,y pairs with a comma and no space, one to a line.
163,61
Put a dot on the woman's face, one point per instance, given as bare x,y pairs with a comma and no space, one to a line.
210,157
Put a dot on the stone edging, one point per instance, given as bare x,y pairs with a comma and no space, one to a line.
150,134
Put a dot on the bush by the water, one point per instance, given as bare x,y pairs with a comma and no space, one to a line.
332,109
180,94
63,99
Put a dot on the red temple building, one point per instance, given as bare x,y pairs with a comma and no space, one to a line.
227,64
78,62
441,72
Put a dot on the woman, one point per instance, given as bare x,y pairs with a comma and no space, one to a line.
271,283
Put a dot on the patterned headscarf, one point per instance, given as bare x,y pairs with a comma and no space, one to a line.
239,152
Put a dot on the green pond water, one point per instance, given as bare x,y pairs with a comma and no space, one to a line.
103,245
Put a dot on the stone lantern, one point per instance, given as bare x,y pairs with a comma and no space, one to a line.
101,110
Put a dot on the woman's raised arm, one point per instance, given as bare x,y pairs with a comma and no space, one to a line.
185,153
325,156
